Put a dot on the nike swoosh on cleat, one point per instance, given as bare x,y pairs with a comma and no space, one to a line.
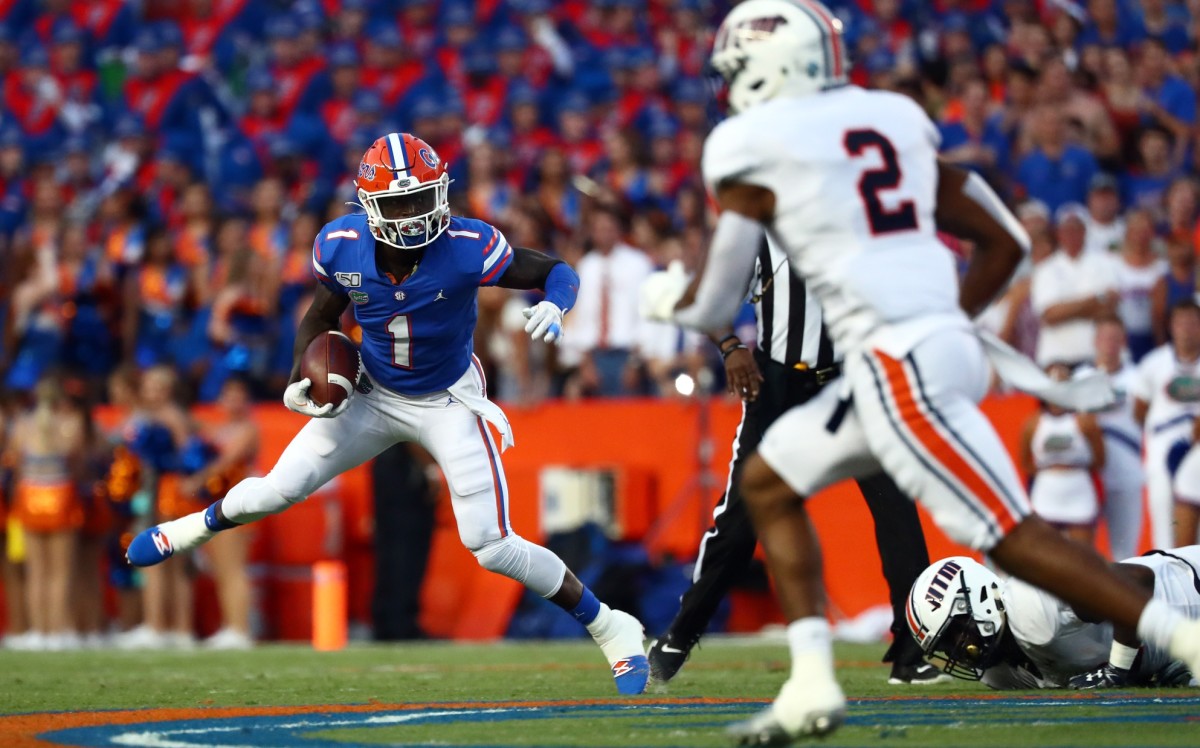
671,650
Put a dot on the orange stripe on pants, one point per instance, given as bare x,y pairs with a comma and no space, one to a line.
944,453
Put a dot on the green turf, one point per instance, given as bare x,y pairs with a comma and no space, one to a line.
283,675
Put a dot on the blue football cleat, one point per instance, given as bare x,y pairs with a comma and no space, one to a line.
631,674
150,547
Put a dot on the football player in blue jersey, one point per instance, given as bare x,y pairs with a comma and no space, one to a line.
411,271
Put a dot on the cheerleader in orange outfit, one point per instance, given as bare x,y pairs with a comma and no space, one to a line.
12,565
1062,451
46,447
88,595
235,439
167,597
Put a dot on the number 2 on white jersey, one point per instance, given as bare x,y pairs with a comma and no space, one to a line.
887,177
400,328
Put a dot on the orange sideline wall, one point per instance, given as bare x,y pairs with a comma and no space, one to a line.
654,446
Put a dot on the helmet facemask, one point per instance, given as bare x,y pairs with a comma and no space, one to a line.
968,644
408,217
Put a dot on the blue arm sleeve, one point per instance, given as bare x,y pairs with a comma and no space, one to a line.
562,286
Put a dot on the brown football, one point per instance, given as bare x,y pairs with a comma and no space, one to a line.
331,362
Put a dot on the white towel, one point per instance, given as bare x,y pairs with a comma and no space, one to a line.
1090,390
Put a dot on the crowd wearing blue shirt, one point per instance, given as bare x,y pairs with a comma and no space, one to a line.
164,165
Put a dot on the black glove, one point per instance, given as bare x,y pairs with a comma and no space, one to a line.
1107,676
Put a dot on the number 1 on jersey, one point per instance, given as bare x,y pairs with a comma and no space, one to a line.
873,181
400,328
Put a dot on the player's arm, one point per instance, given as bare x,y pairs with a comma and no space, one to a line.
712,300
968,208
323,315
530,269
1116,673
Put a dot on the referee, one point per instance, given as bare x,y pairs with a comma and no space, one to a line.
794,359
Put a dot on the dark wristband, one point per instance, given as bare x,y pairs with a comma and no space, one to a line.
726,351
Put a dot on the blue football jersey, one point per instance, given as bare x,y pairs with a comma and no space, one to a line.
417,335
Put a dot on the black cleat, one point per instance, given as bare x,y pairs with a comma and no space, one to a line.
918,674
667,655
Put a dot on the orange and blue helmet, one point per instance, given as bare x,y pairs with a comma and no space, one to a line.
405,189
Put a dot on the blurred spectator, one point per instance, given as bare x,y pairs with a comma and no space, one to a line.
155,294
1055,171
1081,108
235,438
1177,285
46,446
1146,187
1122,478
168,596
1122,96
1169,101
1070,291
1181,207
604,327
1139,269
1060,450
1104,224
976,140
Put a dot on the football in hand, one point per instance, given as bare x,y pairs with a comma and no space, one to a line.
331,362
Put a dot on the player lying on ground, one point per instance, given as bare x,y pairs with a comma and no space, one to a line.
412,272
848,182
1010,634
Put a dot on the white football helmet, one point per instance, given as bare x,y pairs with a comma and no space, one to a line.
770,48
955,611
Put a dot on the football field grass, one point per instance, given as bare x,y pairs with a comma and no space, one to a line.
540,694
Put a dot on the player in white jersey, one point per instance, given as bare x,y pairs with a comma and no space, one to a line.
1010,634
1167,392
847,182
1122,476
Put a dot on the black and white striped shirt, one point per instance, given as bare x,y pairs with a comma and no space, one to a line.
790,328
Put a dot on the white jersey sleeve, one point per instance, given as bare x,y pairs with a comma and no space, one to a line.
732,153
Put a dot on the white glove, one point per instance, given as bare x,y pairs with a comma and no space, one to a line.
296,398
545,321
661,291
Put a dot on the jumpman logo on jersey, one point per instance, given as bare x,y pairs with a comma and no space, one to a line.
441,296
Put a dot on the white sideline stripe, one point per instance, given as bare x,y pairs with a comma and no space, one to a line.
165,739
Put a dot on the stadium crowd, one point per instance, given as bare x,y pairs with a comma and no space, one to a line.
165,166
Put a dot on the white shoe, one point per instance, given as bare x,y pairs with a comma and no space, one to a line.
95,640
17,642
228,638
140,637
36,641
183,640
802,710
621,639
64,641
